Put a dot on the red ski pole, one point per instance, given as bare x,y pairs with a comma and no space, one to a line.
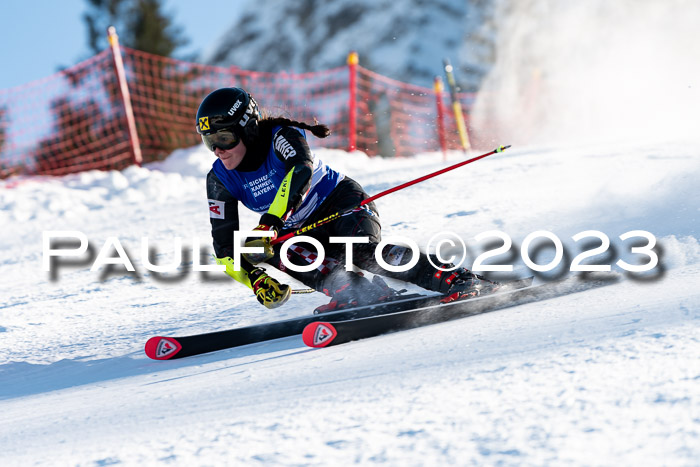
332,217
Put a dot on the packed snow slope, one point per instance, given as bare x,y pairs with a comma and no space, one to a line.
605,377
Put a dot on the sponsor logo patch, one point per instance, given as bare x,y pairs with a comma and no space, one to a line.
283,147
165,348
322,334
262,185
395,255
203,123
216,209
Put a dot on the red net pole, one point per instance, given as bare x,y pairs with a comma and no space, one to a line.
440,116
124,91
352,107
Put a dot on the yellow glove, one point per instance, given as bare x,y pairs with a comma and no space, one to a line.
269,292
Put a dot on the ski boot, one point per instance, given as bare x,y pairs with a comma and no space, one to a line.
455,284
358,291
462,283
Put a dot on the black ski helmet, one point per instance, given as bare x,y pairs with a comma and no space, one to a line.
229,108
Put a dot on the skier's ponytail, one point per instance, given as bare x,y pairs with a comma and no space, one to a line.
318,129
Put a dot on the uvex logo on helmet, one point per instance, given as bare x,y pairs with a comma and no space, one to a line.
235,107
229,109
248,113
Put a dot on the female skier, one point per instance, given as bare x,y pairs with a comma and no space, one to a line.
265,163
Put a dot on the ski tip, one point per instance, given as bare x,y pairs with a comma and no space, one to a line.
162,348
319,334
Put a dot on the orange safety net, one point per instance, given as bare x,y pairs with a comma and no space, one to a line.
400,119
165,95
67,122
75,120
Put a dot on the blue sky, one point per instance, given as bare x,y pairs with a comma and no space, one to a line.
40,36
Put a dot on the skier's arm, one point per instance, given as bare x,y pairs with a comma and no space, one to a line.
290,147
223,214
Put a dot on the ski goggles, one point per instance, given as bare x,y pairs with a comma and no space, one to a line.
222,139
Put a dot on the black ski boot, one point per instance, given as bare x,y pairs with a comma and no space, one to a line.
357,291
454,283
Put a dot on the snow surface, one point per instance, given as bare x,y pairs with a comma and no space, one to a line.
605,377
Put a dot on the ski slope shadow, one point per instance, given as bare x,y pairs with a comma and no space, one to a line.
21,379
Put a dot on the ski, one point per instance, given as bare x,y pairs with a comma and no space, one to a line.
168,348
327,333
